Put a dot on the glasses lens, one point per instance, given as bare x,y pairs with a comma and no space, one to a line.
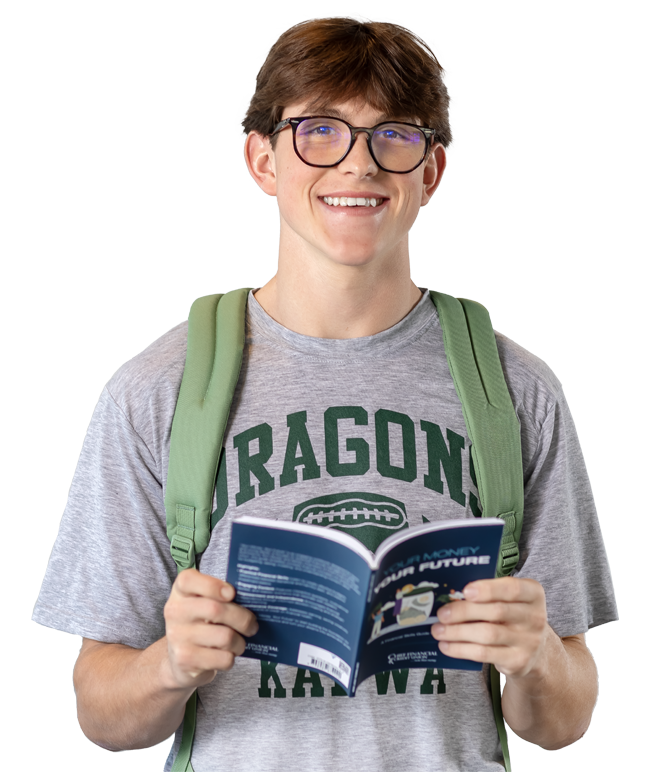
322,141
398,147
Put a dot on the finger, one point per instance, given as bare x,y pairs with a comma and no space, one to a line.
184,610
218,637
192,582
195,661
507,660
475,652
498,611
526,618
508,589
476,632
200,609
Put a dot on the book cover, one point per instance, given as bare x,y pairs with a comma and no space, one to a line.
324,602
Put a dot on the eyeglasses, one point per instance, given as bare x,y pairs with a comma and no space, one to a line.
320,140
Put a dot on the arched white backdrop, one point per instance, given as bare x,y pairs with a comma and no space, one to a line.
559,259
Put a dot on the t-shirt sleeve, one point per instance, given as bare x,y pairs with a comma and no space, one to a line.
110,571
561,543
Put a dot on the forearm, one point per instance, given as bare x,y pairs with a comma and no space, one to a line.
127,698
551,706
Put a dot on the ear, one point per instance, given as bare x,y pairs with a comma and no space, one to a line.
260,160
434,168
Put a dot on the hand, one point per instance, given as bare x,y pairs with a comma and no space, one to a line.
501,621
204,628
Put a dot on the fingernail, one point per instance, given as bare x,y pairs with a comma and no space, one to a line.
444,613
227,592
470,593
437,629
443,646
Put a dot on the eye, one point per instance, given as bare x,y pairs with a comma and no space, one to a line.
322,131
390,134
398,134
320,128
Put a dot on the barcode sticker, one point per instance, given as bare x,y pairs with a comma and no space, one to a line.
315,658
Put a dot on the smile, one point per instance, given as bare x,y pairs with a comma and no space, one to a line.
350,201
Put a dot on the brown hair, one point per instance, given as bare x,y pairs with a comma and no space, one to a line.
328,61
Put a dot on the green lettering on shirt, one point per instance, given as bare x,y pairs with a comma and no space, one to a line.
429,677
303,678
356,445
400,679
268,671
298,436
254,464
409,471
474,503
450,459
221,490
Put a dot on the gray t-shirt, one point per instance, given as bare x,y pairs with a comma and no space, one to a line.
313,418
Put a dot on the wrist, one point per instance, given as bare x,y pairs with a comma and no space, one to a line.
534,679
167,676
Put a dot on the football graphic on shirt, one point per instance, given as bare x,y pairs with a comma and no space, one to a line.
369,517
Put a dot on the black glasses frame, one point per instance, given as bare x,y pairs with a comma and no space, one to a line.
354,130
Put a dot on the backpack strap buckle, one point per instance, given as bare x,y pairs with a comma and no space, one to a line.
509,548
182,543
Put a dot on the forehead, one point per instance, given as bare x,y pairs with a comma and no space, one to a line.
355,111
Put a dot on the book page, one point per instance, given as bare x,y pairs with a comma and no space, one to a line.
308,594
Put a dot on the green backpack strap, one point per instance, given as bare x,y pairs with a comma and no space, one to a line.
491,420
493,429
215,345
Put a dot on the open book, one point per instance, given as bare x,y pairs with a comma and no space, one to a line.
324,602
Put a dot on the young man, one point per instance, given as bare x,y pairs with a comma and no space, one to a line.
347,129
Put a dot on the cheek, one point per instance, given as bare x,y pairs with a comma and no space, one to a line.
294,204
289,180
414,207
408,206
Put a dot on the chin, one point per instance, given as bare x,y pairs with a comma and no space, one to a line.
353,259
347,254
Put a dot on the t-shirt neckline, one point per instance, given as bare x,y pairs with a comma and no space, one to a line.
400,334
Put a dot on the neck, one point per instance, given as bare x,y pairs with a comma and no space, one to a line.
332,300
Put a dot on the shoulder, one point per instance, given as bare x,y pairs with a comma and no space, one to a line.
146,387
534,387
544,416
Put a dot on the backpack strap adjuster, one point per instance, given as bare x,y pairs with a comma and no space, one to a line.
509,547
182,543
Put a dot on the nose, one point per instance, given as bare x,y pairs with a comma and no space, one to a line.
359,161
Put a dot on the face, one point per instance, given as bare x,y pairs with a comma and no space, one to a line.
311,226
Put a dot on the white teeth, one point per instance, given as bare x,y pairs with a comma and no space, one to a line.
350,201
